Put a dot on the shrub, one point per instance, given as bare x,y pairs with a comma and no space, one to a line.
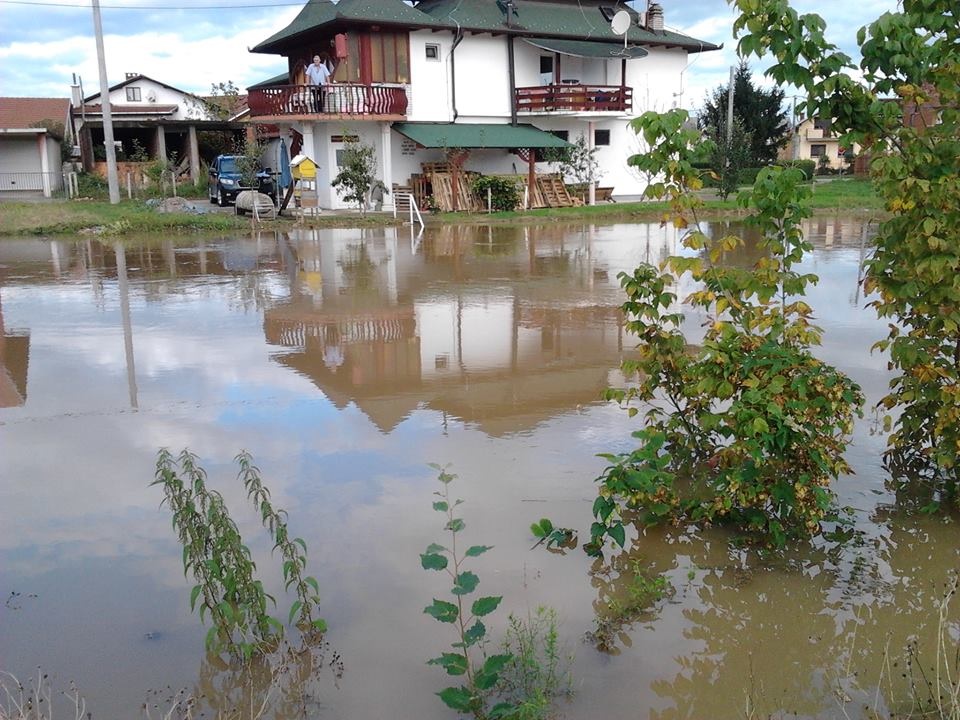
807,167
504,193
749,427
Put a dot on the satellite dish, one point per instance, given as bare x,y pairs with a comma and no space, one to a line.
620,23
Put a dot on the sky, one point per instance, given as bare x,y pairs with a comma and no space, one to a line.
192,44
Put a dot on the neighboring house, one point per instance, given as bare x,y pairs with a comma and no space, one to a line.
522,73
814,139
150,118
31,133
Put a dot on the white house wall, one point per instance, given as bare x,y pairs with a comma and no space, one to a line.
187,106
54,164
483,83
430,89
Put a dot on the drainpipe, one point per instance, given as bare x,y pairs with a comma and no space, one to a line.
458,38
511,64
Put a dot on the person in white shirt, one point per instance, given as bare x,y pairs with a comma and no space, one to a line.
318,75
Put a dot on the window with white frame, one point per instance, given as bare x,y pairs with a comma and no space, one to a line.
133,94
432,51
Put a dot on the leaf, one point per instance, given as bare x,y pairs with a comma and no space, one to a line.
433,561
485,605
453,663
434,548
474,634
457,698
443,611
502,710
455,525
496,663
210,642
618,534
320,625
312,582
294,609
476,550
465,583
441,506
194,594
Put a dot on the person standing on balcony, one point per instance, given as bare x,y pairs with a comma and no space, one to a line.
318,75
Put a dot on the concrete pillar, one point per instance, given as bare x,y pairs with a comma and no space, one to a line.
44,163
386,151
194,155
592,188
161,144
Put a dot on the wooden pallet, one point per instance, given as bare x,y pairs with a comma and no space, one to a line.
553,192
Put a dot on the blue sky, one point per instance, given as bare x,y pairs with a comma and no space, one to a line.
190,45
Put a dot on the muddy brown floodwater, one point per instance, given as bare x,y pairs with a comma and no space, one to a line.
346,361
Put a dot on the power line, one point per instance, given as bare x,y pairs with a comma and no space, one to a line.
79,6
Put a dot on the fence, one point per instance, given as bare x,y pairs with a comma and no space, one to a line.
38,184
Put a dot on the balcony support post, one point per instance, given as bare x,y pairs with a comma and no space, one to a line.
531,176
386,150
592,187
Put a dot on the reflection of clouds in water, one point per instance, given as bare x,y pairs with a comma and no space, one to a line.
350,465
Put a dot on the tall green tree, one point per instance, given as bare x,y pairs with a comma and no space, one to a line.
760,112
913,55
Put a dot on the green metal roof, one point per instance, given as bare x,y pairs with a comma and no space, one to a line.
559,19
581,48
281,79
579,19
478,136
318,13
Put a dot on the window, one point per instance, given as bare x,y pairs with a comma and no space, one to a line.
562,134
601,137
133,94
818,150
432,51
546,70
390,57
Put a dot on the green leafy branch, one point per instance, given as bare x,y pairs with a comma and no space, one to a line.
480,672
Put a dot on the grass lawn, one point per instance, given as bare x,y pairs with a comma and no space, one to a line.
71,216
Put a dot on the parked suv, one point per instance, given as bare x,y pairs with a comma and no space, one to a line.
225,181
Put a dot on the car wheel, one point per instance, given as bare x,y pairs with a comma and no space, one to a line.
221,198
211,198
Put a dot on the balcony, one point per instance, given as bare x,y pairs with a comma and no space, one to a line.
339,100
572,98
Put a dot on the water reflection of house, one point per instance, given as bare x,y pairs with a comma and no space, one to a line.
489,351
14,358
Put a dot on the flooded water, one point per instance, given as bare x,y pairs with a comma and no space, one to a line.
346,361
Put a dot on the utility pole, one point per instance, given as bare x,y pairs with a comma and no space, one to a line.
729,108
112,182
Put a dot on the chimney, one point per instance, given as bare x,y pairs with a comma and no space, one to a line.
131,75
76,99
655,17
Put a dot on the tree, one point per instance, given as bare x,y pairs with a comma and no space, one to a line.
914,142
728,160
748,427
760,111
358,164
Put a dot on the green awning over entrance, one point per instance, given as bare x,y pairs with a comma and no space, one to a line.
585,48
481,135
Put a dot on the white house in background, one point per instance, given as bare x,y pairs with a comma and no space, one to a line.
160,118
31,133
814,139
522,72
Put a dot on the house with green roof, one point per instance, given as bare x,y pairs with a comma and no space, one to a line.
498,81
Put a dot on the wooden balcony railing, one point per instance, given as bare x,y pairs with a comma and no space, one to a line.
334,99
574,98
